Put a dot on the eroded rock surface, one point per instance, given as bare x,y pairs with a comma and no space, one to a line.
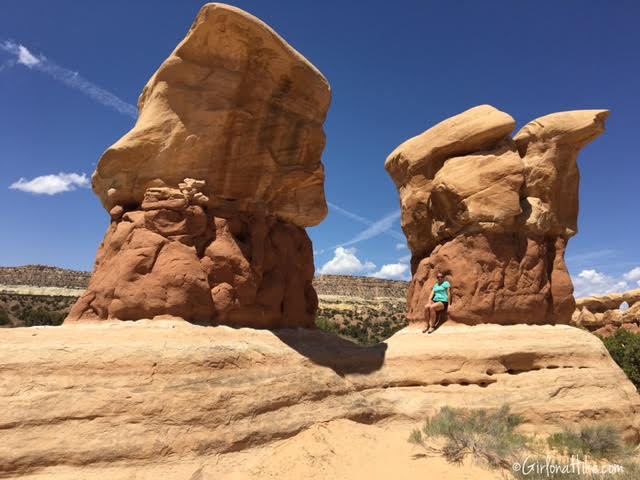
143,398
210,192
174,257
494,213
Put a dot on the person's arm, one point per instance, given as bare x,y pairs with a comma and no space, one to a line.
449,295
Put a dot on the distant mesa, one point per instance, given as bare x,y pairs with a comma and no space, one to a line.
211,190
494,212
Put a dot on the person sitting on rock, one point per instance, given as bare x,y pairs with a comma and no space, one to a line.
438,301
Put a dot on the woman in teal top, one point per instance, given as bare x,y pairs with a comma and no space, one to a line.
438,300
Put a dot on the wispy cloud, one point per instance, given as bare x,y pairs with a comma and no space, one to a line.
376,228
52,184
588,257
363,221
405,258
349,214
25,57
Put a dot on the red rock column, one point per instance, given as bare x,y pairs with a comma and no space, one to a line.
237,107
494,214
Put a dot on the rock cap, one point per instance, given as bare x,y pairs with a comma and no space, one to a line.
236,106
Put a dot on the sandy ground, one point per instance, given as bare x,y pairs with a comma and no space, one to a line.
336,450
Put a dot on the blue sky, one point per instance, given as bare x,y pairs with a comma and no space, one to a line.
395,70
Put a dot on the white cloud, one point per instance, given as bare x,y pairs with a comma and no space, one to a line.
393,271
345,262
591,282
26,58
401,246
633,275
52,184
68,77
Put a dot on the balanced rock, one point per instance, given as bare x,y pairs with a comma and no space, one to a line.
493,212
210,192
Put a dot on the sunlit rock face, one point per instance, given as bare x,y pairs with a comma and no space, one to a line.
211,190
494,213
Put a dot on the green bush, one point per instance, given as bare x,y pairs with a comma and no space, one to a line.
326,324
600,441
487,436
4,317
624,348
38,317
491,438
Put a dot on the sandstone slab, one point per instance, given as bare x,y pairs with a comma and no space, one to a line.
111,399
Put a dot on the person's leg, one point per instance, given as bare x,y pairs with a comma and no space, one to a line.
427,312
435,308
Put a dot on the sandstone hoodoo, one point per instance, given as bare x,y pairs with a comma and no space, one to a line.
494,212
210,192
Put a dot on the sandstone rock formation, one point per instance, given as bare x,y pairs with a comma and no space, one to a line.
494,213
603,316
233,105
149,398
241,111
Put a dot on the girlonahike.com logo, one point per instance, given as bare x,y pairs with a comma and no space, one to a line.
574,465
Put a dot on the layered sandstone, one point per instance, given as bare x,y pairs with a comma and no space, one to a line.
494,213
236,106
210,192
603,315
166,399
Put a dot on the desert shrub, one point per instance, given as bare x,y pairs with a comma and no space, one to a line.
600,441
326,324
38,317
624,348
4,317
487,436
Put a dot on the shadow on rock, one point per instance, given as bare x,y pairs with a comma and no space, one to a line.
329,350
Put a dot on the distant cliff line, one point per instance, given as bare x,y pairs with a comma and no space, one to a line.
48,280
